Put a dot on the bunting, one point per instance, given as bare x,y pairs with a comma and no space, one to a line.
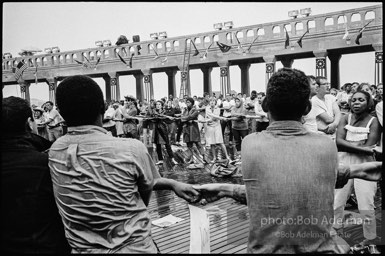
346,30
223,47
82,63
287,41
255,39
196,52
122,60
97,62
165,59
359,36
300,40
239,43
157,55
130,62
21,66
204,56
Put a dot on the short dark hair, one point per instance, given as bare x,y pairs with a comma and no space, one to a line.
15,112
287,94
80,100
253,92
369,100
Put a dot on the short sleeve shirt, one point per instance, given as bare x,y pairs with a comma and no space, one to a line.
96,180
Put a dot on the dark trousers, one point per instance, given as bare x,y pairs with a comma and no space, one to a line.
180,129
159,151
238,137
225,124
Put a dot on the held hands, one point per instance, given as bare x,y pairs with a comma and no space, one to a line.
187,192
331,128
212,192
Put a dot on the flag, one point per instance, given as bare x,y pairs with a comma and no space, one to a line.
21,66
87,59
97,62
204,56
157,55
196,50
287,42
165,59
120,57
35,74
346,33
82,63
224,48
130,62
239,43
346,30
359,36
255,39
300,40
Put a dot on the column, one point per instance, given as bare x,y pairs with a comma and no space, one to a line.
112,86
225,77
270,67
207,86
287,62
245,78
378,64
171,82
139,86
334,70
52,85
24,90
148,85
320,69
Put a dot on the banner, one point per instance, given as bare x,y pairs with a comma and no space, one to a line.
199,230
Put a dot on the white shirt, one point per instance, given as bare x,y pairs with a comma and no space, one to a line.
319,106
227,107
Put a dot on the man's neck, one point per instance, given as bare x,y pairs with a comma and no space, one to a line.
320,96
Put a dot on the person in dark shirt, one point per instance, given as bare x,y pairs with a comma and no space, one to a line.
30,219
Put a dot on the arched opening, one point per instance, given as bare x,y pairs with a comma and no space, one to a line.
215,38
250,33
298,26
197,40
176,45
341,19
356,17
370,15
106,54
261,32
276,30
329,22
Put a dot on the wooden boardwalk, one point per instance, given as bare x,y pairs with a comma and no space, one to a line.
229,220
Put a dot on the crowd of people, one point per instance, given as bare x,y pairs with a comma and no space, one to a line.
302,147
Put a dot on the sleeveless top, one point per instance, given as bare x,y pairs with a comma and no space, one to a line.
354,133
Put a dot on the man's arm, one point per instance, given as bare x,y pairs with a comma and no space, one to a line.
183,190
331,128
367,171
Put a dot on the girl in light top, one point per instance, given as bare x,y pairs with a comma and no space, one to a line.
357,135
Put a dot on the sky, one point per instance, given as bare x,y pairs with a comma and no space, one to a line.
77,25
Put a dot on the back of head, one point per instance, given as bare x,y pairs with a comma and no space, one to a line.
80,100
287,94
15,113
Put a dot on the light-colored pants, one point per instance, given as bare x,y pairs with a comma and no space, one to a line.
365,192
55,133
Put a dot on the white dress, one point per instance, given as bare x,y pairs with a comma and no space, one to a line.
365,190
213,133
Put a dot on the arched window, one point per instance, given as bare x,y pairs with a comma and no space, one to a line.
370,15
261,32
250,33
356,17
329,22
276,30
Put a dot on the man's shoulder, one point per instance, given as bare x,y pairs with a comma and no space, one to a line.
330,97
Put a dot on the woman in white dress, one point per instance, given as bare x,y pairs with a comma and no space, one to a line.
213,133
